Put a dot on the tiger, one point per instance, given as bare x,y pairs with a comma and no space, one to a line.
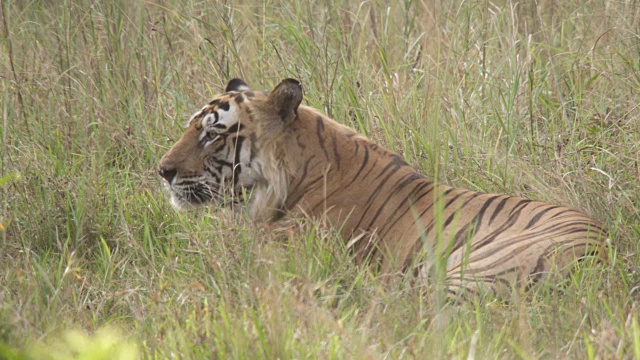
292,159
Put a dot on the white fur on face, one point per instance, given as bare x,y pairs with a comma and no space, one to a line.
225,119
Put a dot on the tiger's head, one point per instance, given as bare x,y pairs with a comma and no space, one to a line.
231,145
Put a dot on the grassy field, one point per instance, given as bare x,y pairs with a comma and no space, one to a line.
538,99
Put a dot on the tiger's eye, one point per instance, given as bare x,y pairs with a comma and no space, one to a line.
205,139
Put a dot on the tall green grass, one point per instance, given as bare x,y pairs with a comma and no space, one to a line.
538,99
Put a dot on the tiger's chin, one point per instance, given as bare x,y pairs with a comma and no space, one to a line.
181,202
189,199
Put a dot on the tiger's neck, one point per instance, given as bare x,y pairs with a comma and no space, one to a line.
344,178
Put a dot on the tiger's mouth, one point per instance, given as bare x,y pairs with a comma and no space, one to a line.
190,195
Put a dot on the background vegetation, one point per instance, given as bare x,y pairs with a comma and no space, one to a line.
533,98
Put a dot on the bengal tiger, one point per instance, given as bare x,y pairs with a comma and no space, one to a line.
292,158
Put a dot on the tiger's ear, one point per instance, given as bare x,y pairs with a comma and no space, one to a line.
236,85
286,98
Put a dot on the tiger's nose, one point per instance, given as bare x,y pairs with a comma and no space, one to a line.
167,174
